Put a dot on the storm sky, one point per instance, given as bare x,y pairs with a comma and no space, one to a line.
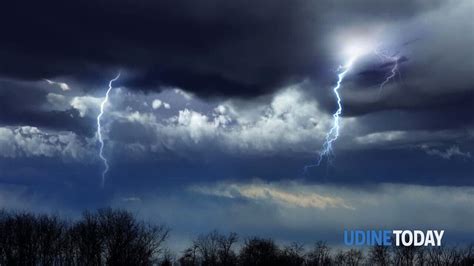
220,105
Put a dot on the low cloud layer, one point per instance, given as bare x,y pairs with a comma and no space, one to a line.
289,124
273,194
305,212
281,209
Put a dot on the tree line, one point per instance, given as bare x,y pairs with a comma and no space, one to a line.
117,237
105,237
214,249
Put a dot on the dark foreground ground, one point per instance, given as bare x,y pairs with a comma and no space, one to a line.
116,237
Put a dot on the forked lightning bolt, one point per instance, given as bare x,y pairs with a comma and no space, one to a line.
393,60
333,133
99,129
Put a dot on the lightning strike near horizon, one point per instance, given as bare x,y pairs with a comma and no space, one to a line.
99,129
333,133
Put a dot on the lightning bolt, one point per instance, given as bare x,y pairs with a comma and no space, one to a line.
394,60
333,133
99,129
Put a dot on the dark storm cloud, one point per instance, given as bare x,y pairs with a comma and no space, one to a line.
435,61
238,49
23,103
238,56
241,48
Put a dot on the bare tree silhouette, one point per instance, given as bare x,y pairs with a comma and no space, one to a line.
88,240
339,258
379,255
116,237
292,255
112,237
127,241
213,249
404,255
353,257
259,252
190,257
319,255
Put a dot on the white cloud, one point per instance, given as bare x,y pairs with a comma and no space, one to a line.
446,154
84,104
408,137
382,137
196,124
26,141
141,118
186,95
289,121
156,104
61,85
390,205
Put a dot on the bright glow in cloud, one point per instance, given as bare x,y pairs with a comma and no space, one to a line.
61,85
358,41
359,47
